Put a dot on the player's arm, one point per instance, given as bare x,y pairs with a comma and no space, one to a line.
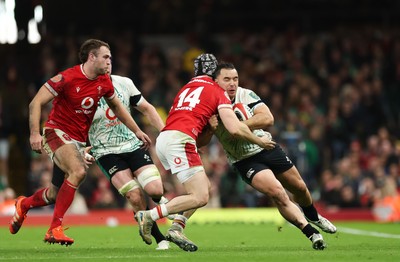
261,119
42,97
122,113
238,129
205,136
150,112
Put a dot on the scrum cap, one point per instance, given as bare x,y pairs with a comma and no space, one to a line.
205,64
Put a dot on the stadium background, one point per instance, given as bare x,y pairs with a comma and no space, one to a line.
328,70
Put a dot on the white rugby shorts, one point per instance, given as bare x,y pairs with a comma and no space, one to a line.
177,152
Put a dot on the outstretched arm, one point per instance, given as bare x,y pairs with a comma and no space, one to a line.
43,97
238,129
151,114
122,113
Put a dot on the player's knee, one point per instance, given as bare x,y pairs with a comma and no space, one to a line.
202,199
80,173
299,190
77,174
150,180
280,197
156,193
302,188
129,187
134,197
154,189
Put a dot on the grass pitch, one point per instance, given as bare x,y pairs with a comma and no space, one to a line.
217,242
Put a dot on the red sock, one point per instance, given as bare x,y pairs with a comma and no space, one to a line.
35,200
63,202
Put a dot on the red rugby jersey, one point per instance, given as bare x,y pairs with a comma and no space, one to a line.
194,104
75,102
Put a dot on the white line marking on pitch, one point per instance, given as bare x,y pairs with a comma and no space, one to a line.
366,233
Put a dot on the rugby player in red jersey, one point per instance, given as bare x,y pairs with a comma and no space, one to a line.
176,147
75,93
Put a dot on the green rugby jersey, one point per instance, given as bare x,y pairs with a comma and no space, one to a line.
107,134
238,149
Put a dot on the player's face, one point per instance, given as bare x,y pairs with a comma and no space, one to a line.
228,79
109,68
102,61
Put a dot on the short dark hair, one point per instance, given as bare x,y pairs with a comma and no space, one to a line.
90,45
223,65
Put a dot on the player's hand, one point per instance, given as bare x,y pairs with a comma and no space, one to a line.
267,142
145,139
213,122
36,142
87,157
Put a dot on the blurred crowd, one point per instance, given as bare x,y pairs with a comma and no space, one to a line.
334,95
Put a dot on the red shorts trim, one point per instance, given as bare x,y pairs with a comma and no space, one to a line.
192,155
54,139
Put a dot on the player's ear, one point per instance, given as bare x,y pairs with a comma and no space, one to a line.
91,56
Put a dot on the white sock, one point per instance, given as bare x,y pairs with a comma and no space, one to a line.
180,221
158,212
163,200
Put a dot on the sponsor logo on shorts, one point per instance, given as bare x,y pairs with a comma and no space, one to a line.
177,160
113,170
146,157
250,172
66,137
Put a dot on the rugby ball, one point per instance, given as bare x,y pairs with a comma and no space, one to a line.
242,111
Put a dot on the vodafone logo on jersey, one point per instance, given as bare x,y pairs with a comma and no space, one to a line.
110,114
87,102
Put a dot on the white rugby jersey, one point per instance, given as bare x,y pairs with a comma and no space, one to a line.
238,149
107,134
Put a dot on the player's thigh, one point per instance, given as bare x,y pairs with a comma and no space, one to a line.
154,188
121,178
177,151
69,159
198,184
292,180
162,149
266,182
149,179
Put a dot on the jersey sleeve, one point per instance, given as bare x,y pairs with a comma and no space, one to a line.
55,84
133,91
109,92
223,100
135,95
136,100
251,99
